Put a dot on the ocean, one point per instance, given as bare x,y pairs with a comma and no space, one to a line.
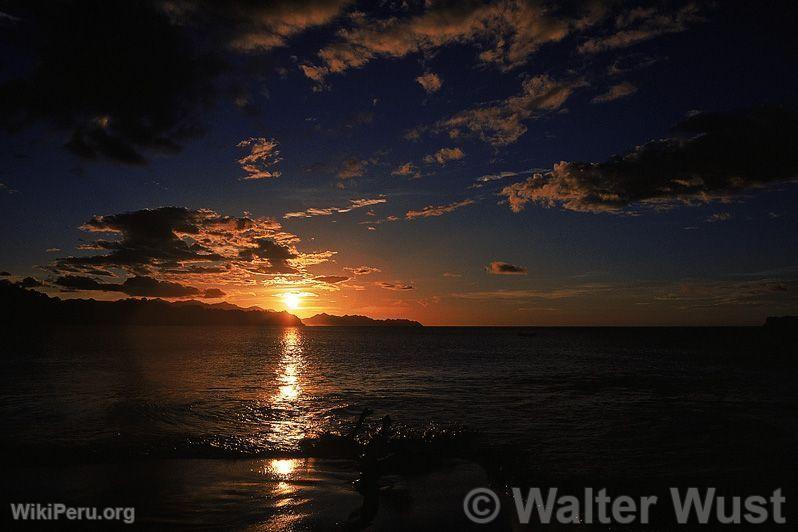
632,408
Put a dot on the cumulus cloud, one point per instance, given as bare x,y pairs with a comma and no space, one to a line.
408,169
502,123
444,155
504,268
641,24
437,210
263,156
140,286
616,92
713,156
430,81
327,211
178,245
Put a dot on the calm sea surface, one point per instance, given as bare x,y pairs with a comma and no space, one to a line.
631,403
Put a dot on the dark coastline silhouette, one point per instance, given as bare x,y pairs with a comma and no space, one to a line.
328,320
26,309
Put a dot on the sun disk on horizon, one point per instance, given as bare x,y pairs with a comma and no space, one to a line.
292,300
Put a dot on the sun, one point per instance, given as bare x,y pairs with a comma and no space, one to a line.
291,300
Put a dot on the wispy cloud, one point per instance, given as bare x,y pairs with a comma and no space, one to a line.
331,279
719,217
362,270
327,211
396,285
616,92
263,156
437,210
352,167
508,32
641,24
444,155
503,123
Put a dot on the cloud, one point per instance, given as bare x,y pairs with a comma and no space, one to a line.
719,217
29,282
327,211
263,26
484,180
504,268
502,123
213,293
437,210
715,156
408,169
507,32
616,92
359,118
430,81
180,245
263,155
352,167
331,279
128,81
397,286
362,270
641,24
279,256
444,155
140,286
631,62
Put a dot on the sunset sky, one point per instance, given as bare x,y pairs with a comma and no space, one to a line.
474,163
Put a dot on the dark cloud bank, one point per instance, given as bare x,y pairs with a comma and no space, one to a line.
710,156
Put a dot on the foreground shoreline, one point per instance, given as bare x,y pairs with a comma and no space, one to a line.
260,494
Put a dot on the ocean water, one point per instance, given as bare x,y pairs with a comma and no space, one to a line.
576,399
579,405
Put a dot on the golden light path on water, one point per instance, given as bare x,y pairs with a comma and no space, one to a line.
289,396
289,385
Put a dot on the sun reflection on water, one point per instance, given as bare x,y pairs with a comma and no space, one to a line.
289,396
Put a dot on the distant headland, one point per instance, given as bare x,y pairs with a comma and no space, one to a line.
328,320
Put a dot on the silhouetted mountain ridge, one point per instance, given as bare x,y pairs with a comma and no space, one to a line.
24,308
328,320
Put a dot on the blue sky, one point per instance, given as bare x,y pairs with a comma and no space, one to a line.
723,251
